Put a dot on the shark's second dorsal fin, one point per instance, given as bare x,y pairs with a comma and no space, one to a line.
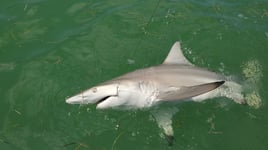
175,56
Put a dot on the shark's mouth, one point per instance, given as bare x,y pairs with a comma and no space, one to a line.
102,100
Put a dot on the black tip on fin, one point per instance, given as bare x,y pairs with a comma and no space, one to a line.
219,83
170,139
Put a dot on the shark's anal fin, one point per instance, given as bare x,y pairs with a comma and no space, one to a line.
175,56
173,93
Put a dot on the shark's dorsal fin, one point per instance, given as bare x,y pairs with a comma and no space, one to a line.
175,56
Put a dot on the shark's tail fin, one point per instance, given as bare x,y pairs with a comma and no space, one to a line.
247,92
232,90
252,71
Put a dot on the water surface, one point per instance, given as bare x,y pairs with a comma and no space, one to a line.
50,50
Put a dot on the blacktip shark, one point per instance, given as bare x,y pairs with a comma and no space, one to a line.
175,80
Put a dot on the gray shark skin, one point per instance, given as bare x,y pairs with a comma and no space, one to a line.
175,80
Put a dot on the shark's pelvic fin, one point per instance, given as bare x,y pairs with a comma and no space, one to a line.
175,56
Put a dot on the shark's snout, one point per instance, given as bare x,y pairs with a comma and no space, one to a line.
94,95
78,99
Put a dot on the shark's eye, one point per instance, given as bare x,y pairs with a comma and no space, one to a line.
94,90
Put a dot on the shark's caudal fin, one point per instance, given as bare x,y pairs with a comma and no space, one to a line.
175,56
252,71
244,92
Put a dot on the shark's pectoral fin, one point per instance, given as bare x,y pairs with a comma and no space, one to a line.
174,93
163,117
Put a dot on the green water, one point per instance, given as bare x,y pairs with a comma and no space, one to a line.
50,50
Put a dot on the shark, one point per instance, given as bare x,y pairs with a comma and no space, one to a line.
175,80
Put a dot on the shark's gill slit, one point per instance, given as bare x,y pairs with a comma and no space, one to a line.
82,96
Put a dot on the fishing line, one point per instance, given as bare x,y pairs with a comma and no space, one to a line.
146,26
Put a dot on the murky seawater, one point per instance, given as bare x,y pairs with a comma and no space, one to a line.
50,50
